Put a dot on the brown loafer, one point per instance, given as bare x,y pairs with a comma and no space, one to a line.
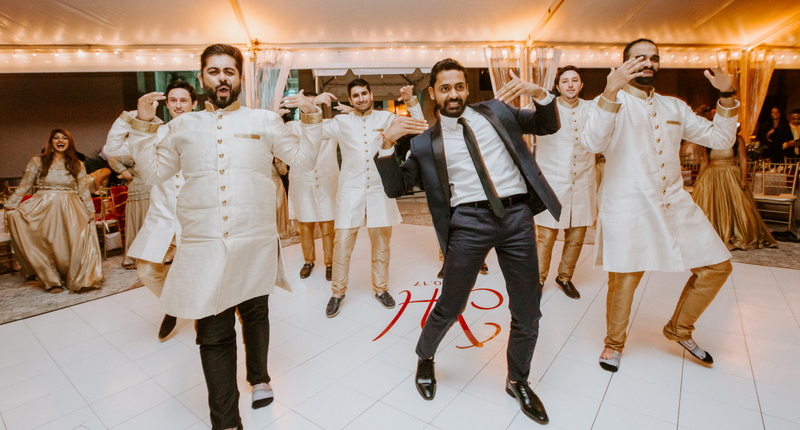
305,272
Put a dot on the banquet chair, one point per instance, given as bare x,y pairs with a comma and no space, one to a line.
105,217
776,198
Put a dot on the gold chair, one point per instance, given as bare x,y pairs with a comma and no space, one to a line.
776,198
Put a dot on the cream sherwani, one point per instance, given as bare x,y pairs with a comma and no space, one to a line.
646,220
161,222
229,250
569,169
360,190
312,194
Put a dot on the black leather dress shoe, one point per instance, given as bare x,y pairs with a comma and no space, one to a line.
386,300
529,402
305,272
333,306
167,325
426,380
568,288
328,273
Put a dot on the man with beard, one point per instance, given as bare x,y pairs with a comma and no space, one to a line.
646,219
228,259
359,199
483,188
569,169
156,242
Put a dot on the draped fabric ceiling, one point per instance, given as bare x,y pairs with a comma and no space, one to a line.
332,36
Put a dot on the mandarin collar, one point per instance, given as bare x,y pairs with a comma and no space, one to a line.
231,108
637,92
367,113
566,104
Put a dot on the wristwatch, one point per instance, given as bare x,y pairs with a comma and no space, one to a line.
726,94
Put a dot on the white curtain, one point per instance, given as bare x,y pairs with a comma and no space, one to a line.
269,71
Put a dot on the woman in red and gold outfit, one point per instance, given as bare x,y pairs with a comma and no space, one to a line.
54,232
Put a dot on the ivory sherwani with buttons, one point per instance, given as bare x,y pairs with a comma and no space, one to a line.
157,240
360,199
229,250
569,169
646,220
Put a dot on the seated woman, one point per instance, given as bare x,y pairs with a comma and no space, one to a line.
722,192
136,205
54,232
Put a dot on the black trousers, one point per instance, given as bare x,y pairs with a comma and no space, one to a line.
216,336
473,233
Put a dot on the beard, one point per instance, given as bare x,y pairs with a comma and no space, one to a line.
455,111
219,101
647,80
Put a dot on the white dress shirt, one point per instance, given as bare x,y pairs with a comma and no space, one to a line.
465,185
569,169
360,193
229,251
647,221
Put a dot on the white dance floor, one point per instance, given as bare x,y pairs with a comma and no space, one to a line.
99,365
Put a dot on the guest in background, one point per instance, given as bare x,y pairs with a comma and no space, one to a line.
773,135
136,204
790,134
722,192
53,232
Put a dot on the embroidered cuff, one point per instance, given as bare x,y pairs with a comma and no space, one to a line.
543,96
728,112
413,102
143,126
311,118
609,106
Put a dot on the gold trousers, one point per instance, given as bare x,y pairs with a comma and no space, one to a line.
699,292
343,244
573,242
153,275
307,241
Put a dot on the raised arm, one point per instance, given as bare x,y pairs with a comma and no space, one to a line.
157,161
412,103
297,149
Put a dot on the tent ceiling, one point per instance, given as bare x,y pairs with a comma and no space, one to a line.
188,25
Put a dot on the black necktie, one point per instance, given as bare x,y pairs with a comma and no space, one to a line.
477,160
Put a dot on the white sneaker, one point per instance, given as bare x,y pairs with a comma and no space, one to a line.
262,395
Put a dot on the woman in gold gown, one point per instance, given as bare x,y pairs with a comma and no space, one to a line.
722,191
54,232
137,203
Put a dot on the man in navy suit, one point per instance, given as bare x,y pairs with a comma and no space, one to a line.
483,187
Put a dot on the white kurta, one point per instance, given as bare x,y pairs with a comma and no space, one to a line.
646,220
229,250
312,193
161,222
360,192
569,169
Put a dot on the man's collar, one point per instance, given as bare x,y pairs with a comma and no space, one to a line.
367,113
567,105
232,107
637,92
451,123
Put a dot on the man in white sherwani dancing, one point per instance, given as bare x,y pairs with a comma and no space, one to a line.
646,220
360,199
569,169
156,242
229,257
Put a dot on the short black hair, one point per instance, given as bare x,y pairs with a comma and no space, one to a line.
443,65
183,85
567,68
794,111
222,49
357,82
626,53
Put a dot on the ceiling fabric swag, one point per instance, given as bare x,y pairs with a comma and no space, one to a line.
269,71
